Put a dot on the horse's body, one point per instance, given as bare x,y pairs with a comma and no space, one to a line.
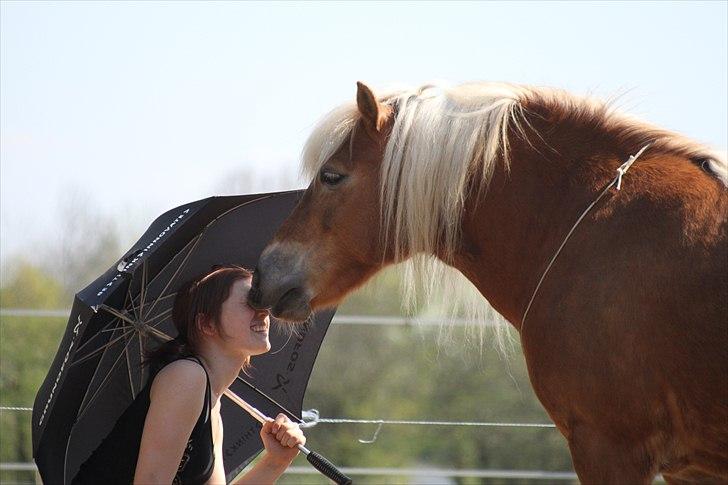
626,340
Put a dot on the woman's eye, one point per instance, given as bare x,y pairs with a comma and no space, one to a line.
331,178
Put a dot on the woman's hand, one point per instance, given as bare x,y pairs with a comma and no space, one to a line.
280,438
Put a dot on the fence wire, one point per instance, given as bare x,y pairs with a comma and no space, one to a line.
312,418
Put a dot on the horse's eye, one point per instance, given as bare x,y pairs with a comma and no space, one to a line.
331,178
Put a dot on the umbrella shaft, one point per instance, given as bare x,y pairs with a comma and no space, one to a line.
255,413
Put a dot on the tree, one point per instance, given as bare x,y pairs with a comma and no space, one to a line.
27,347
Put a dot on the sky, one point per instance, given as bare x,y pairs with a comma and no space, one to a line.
136,108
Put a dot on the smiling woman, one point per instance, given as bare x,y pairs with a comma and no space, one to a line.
173,431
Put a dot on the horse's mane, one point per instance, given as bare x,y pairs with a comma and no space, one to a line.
448,134
621,129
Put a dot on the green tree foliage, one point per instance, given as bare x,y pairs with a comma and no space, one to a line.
27,347
362,372
31,287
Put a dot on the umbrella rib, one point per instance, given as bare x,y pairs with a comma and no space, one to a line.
124,327
161,298
128,364
117,314
103,347
262,197
132,325
141,361
159,322
81,412
126,347
177,271
162,315
160,334
167,296
103,329
131,300
144,288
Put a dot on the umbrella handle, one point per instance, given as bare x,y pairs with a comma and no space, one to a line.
323,465
318,461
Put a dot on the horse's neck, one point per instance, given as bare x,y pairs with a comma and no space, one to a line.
510,233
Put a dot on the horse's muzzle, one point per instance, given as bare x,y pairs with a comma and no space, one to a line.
279,285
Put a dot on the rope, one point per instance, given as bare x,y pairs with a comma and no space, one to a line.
618,182
14,408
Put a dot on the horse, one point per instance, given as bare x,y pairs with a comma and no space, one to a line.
625,333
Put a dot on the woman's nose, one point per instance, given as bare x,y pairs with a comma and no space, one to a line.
261,314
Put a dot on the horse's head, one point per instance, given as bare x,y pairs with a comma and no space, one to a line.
331,242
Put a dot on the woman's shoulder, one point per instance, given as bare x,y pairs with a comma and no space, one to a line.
183,379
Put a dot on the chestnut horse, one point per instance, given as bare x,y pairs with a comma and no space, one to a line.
626,337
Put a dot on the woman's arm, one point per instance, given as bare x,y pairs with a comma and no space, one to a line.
176,400
281,439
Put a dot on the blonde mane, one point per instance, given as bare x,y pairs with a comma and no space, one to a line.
448,134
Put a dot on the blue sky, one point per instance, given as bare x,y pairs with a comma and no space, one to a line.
142,107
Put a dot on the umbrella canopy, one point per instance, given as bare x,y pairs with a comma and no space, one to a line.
97,371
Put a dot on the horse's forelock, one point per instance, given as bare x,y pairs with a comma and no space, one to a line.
327,137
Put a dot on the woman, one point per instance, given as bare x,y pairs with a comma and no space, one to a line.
172,432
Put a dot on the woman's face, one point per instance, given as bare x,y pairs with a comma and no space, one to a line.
241,327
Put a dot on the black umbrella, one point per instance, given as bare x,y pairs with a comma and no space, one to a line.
97,371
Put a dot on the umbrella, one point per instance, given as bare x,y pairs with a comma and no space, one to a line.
97,370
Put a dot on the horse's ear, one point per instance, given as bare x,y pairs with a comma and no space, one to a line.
372,111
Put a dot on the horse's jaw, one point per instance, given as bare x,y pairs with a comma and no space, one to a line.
293,306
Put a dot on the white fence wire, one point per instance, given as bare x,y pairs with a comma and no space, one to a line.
337,320
422,473
312,418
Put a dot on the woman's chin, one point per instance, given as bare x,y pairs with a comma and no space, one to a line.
260,348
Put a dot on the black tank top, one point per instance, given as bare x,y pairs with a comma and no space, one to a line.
114,461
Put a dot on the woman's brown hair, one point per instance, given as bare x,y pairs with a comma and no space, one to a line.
202,297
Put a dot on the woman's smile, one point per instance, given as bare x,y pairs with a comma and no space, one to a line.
260,323
261,327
